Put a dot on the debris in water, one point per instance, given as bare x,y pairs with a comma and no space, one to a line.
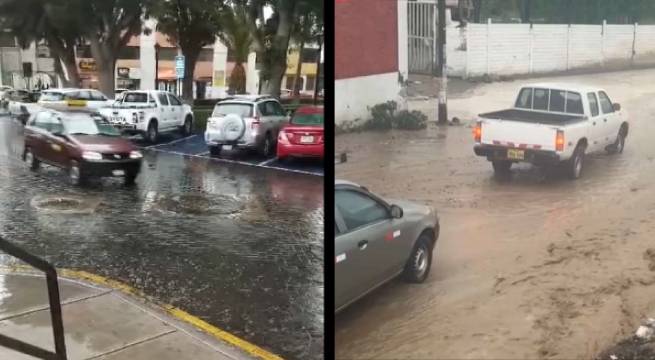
644,332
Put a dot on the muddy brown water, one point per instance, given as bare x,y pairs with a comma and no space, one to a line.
532,266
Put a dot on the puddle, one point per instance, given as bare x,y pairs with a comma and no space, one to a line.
64,204
199,204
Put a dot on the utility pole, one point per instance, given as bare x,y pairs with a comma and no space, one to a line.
317,81
442,109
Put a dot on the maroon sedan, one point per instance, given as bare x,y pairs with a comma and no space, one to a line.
83,143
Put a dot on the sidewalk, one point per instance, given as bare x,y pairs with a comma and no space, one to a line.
100,323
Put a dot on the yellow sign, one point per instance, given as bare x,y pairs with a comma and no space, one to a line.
76,103
88,65
219,78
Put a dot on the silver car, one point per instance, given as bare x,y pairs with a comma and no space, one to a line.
245,121
377,240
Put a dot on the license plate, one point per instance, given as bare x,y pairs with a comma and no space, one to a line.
118,172
227,147
515,154
76,103
306,139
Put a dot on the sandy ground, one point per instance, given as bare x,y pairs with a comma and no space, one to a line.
535,266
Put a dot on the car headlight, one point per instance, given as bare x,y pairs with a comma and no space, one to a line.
136,155
91,155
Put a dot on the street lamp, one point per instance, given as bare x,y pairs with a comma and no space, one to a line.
157,66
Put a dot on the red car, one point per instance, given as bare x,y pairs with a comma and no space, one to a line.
84,144
303,136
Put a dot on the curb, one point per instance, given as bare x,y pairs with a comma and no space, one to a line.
171,310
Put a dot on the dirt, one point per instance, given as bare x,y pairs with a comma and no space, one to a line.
531,266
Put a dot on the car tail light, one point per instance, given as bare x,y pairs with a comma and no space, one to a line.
477,132
284,137
559,141
255,123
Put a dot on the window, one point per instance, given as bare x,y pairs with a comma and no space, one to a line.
605,103
243,110
130,53
574,103
83,95
206,55
276,108
264,109
540,100
135,97
593,104
358,209
308,119
524,101
174,100
97,96
51,96
163,99
557,99
46,121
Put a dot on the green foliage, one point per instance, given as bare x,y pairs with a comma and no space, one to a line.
385,116
382,116
411,120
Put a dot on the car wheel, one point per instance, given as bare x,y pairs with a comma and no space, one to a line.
75,175
30,159
215,150
576,162
420,261
267,144
187,127
152,134
501,167
130,179
619,144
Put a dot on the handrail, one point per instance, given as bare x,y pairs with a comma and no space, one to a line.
55,307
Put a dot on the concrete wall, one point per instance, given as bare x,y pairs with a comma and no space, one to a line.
353,96
520,49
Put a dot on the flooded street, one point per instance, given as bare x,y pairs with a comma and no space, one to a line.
533,266
239,247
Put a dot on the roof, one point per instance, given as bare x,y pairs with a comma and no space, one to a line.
564,86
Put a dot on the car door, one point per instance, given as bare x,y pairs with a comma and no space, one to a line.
597,130
611,118
57,143
176,110
35,134
165,120
361,252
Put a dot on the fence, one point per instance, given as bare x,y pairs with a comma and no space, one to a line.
517,49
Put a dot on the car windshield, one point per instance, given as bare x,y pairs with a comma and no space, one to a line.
135,97
308,119
87,124
243,110
51,96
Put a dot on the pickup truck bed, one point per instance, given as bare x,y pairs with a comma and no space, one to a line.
532,117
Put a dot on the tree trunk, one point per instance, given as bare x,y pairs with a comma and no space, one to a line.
105,60
238,79
296,83
65,53
190,59
59,70
277,54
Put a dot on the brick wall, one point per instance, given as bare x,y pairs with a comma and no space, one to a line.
366,37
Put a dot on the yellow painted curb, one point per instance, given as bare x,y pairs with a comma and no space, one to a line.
170,309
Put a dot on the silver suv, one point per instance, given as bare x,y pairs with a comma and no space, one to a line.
245,121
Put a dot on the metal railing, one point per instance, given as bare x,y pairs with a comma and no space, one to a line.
55,307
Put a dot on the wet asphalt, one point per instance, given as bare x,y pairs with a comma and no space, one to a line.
239,246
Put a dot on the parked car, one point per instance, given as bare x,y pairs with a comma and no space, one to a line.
552,124
377,240
303,136
83,143
247,122
149,113
72,99
21,104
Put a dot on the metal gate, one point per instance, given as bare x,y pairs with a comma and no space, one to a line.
422,36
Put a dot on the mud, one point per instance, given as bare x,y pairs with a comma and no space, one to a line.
530,266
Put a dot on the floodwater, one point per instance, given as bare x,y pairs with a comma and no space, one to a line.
239,247
531,266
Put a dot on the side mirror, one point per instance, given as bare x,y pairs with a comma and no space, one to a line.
396,212
617,107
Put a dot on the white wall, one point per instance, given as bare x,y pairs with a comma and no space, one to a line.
515,49
353,96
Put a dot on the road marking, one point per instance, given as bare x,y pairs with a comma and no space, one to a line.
230,161
169,143
170,309
266,162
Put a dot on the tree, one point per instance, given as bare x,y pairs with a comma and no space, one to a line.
191,24
307,30
108,25
271,36
40,20
236,36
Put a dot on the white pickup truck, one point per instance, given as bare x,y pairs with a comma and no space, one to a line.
149,113
551,124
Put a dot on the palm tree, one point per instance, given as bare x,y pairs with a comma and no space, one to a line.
237,37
